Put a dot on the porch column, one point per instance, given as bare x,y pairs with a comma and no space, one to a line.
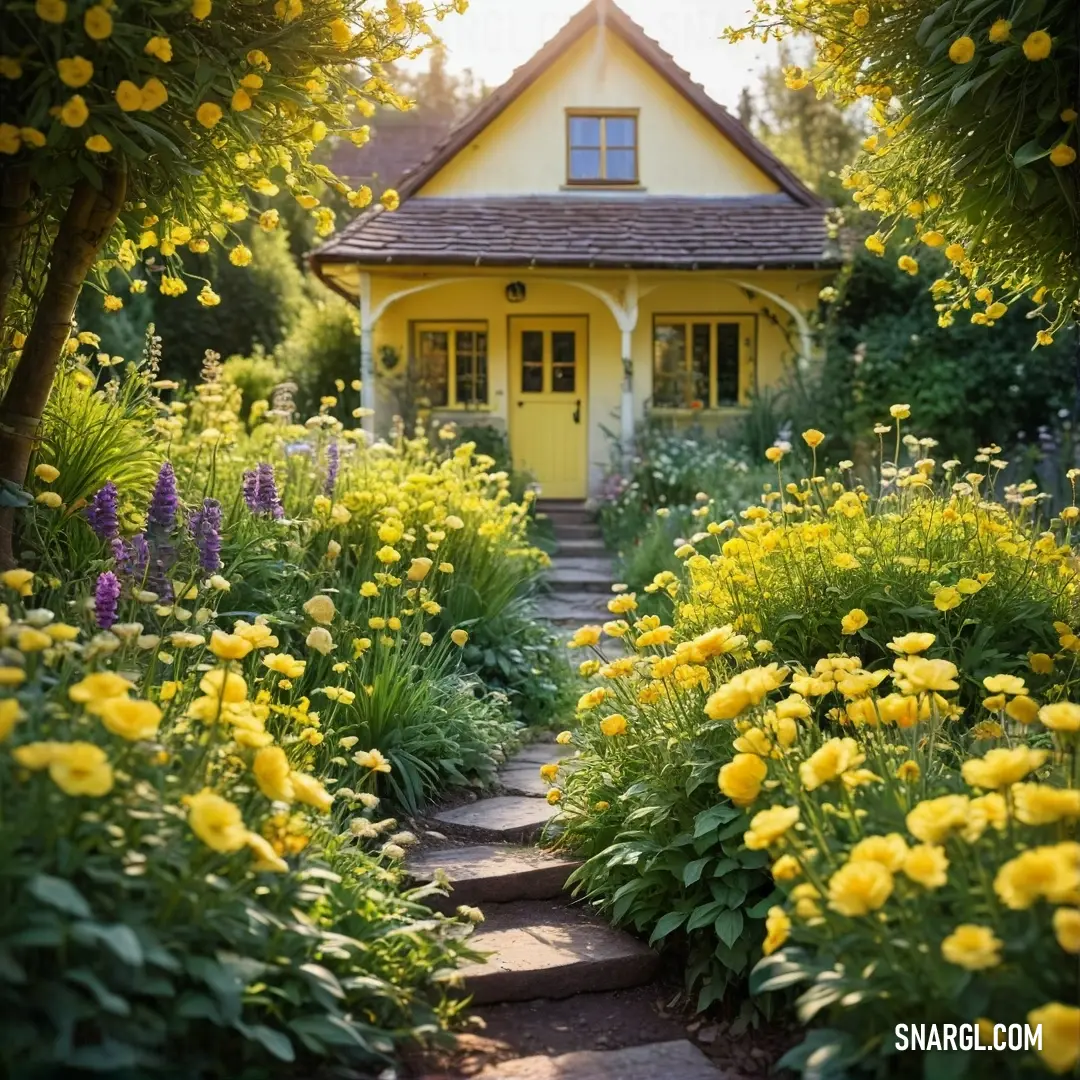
627,316
367,355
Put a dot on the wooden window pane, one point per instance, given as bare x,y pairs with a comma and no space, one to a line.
432,361
532,361
699,362
669,365
585,131
563,361
620,165
480,368
727,364
584,164
621,131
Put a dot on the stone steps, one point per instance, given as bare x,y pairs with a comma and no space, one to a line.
573,608
571,531
514,819
544,949
493,873
581,548
675,1060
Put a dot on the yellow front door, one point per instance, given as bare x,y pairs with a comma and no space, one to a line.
549,403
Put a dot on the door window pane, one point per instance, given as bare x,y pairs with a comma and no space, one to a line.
432,363
727,364
699,361
532,361
669,365
563,361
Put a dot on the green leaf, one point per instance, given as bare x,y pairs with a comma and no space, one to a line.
117,937
668,923
109,1056
704,914
945,1064
323,978
779,971
59,894
1029,152
692,870
274,1042
729,926
110,1002
712,818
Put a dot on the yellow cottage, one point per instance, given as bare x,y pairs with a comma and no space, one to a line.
598,240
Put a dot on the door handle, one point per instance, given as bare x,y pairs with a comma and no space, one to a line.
577,411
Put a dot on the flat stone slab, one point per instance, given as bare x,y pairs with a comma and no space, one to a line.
573,577
547,950
524,780
504,817
539,754
492,873
677,1060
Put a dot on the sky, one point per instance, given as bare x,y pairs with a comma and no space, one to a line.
495,36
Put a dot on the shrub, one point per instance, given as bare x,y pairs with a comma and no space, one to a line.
817,591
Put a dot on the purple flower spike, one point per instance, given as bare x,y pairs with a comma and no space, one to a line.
101,512
106,599
333,462
251,490
260,491
205,528
165,501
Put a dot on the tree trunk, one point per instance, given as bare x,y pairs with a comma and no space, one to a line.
14,217
87,222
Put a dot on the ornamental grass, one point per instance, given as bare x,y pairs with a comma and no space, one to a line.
850,761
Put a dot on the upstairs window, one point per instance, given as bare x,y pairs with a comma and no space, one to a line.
602,148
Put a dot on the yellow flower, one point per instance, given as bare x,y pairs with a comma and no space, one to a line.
890,851
786,868
768,826
273,774
549,772
50,499
459,637
80,768
908,771
97,22
266,858
372,760
740,779
154,94
1062,155
216,821
955,252
101,685
419,569
813,438
30,137
74,113
933,819
927,865
240,101
10,714
10,67
20,580
284,664
962,50
208,114
853,621
11,676
1051,873
564,738
229,646
999,31
945,599
390,199
54,11
972,947
615,724
387,555
774,454
98,144
875,244
1002,767
160,48
908,265
1037,45
830,761
859,888
320,640
130,718
200,9
309,791
48,473
1041,804
240,255
554,796
919,675
75,71
1061,1035
340,33
912,643
1062,716
1067,929
321,608
933,238
585,636
777,930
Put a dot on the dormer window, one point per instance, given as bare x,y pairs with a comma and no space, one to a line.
601,147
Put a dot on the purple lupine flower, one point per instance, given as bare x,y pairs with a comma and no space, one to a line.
333,462
106,599
268,498
251,490
138,554
101,512
165,502
205,528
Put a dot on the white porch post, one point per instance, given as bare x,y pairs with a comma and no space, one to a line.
627,318
367,359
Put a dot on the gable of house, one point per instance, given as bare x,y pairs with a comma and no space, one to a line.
524,149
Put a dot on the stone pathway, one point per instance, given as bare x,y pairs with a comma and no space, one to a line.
542,946
581,572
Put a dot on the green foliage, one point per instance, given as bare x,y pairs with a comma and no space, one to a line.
255,376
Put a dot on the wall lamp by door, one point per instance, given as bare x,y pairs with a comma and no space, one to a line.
515,292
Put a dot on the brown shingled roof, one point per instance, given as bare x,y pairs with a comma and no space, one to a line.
660,232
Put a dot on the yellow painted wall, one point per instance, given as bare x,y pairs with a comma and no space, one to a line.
523,151
482,296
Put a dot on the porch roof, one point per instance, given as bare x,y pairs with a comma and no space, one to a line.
620,231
